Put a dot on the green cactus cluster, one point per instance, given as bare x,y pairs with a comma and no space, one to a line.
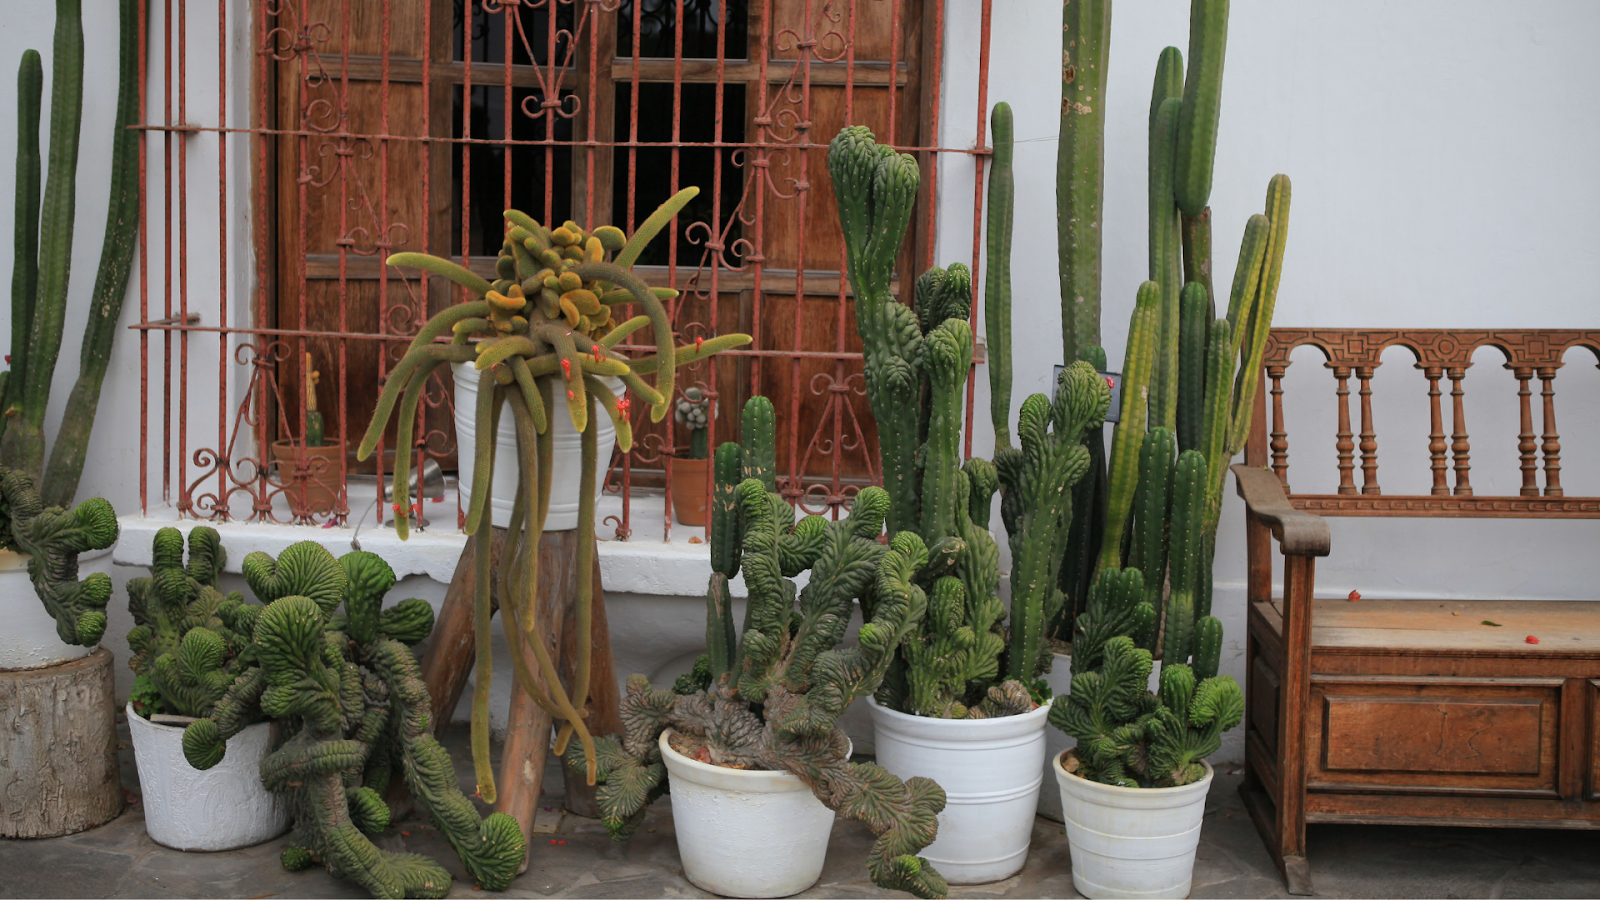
53,537
541,331
43,245
324,657
769,696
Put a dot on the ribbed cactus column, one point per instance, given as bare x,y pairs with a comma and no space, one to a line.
1080,169
997,281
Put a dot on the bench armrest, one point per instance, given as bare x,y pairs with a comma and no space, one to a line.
1301,533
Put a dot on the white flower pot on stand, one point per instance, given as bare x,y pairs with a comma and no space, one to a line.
991,771
1132,842
28,638
222,808
743,832
568,446
1056,741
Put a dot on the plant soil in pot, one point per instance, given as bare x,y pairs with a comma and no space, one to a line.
991,772
221,808
745,832
1131,842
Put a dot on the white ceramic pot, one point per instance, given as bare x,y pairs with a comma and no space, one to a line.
1056,741
28,638
223,808
990,769
565,469
1132,842
746,833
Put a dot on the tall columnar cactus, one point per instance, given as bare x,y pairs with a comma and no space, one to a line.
997,281
1080,170
541,331
43,255
53,537
350,683
772,701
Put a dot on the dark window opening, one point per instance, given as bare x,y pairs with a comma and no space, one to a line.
658,28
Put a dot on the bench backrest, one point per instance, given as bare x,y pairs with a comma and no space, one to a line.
1441,354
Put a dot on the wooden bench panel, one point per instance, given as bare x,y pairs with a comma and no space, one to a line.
1563,627
1420,734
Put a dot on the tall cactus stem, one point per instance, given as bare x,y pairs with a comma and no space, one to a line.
483,562
1165,267
1202,104
758,428
1194,323
1126,438
997,281
1196,234
1080,169
1151,506
25,227
1188,512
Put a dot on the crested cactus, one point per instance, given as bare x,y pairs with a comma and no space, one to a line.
53,537
540,332
43,257
349,681
774,701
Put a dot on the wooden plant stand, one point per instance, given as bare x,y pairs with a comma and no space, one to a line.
451,653
58,748
1412,711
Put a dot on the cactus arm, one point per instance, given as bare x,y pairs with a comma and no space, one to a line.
690,353
53,538
1260,320
401,485
1247,278
483,564
1080,170
997,282
1129,433
584,603
444,268
629,254
1202,104
758,426
1165,268
1189,485
25,227
397,382
947,357
1152,504
71,447
666,363
1194,320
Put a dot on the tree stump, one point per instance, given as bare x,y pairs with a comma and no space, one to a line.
58,748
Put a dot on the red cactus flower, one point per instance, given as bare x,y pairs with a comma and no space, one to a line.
566,366
697,342
597,355
571,395
624,403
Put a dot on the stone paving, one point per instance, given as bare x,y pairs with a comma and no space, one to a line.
119,860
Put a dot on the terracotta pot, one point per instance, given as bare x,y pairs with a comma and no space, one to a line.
689,489
298,464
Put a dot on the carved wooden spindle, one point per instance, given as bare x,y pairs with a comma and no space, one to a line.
1345,446
1552,440
1526,446
1460,449
1369,438
1436,444
1280,434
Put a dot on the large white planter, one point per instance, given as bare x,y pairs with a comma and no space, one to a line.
223,808
990,769
1056,741
28,638
1132,842
565,469
745,833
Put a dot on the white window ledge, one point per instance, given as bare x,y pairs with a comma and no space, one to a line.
642,565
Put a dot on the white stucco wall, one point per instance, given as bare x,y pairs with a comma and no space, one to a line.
1442,156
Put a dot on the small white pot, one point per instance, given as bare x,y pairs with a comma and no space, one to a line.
223,808
1056,741
990,769
1132,842
565,469
746,833
28,638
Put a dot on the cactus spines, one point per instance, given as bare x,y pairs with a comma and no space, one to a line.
997,282
1080,170
1202,104
758,435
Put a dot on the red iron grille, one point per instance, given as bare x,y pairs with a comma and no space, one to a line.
374,126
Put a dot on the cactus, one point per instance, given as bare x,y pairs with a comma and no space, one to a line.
997,282
53,537
351,685
693,414
43,255
1080,170
775,702
541,330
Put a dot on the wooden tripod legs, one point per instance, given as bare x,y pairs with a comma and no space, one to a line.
528,732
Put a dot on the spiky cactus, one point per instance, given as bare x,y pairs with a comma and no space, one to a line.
542,331
43,254
349,681
53,537
693,414
772,700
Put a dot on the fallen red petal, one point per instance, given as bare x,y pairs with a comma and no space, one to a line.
1531,639
1355,596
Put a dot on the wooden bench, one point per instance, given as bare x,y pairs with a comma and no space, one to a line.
1412,711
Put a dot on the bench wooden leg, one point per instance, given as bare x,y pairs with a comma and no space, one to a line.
1288,843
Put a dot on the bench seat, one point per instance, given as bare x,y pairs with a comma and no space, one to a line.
1563,627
